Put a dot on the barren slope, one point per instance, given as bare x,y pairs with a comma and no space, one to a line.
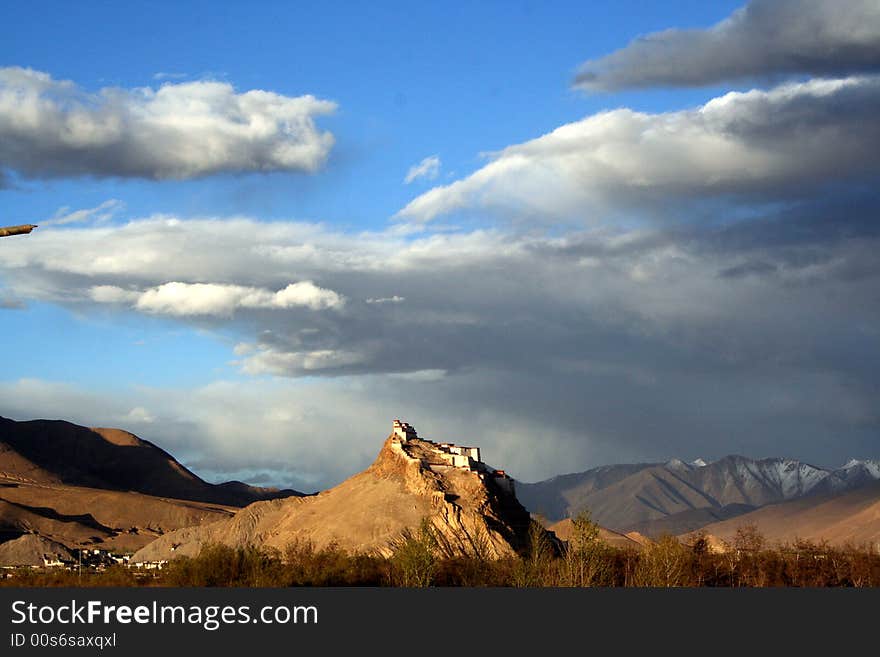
563,530
111,520
370,510
103,488
676,497
29,550
851,517
53,452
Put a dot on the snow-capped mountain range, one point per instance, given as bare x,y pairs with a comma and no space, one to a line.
677,496
790,477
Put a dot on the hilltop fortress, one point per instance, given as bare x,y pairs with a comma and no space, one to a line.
470,507
441,456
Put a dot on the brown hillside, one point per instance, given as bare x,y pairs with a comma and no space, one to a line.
409,482
53,452
30,550
112,520
852,517
563,530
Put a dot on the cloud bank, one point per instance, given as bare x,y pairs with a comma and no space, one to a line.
776,144
612,344
53,128
766,38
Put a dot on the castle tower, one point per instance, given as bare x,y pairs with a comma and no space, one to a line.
403,431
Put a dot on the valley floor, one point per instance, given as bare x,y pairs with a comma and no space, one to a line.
665,563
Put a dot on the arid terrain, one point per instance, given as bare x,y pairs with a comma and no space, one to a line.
677,498
101,488
65,487
840,519
405,486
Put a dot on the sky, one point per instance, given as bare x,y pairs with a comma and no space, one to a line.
573,234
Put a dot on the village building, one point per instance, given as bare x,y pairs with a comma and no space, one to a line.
52,561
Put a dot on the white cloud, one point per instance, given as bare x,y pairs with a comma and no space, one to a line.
429,168
306,293
139,415
104,212
200,299
51,128
495,321
265,360
163,75
113,294
420,376
185,299
777,144
765,38
394,299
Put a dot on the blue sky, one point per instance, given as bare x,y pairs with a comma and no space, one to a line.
411,80
610,251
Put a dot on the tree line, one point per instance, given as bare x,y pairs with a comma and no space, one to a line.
419,558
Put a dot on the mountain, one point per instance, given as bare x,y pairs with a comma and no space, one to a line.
71,486
677,497
630,541
102,488
32,550
685,521
839,518
76,516
471,508
564,495
57,452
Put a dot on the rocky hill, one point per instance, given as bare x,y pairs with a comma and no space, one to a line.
58,452
631,541
32,550
471,508
103,488
90,517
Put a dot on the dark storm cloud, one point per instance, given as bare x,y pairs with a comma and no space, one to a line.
611,344
766,38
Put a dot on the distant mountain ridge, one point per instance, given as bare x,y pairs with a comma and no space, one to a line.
77,486
59,452
65,484
677,497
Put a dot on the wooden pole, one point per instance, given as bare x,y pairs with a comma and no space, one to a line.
16,230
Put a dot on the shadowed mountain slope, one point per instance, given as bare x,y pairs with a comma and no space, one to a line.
100,488
839,518
58,452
